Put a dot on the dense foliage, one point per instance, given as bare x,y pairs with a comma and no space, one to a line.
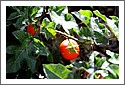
34,34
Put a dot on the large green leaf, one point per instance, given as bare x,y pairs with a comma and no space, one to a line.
57,71
15,63
67,25
22,54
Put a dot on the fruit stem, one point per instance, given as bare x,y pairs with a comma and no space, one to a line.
72,47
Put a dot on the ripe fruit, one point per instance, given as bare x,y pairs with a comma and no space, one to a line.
86,74
30,29
69,49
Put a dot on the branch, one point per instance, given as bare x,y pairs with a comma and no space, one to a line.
69,36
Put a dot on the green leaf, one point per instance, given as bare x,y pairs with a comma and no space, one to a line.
31,60
60,20
112,73
59,9
86,13
20,35
57,71
114,57
115,18
97,13
18,23
13,15
39,13
83,18
46,33
108,77
34,11
98,61
15,63
113,28
68,17
86,32
86,65
100,32
42,49
103,28
45,22
111,76
99,38
115,68
50,27
11,49
22,54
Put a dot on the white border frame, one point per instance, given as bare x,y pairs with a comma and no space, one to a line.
61,3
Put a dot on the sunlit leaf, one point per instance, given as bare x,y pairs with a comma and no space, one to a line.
52,72
34,11
97,13
86,13
50,27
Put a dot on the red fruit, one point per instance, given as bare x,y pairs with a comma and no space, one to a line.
69,49
86,74
101,77
30,29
